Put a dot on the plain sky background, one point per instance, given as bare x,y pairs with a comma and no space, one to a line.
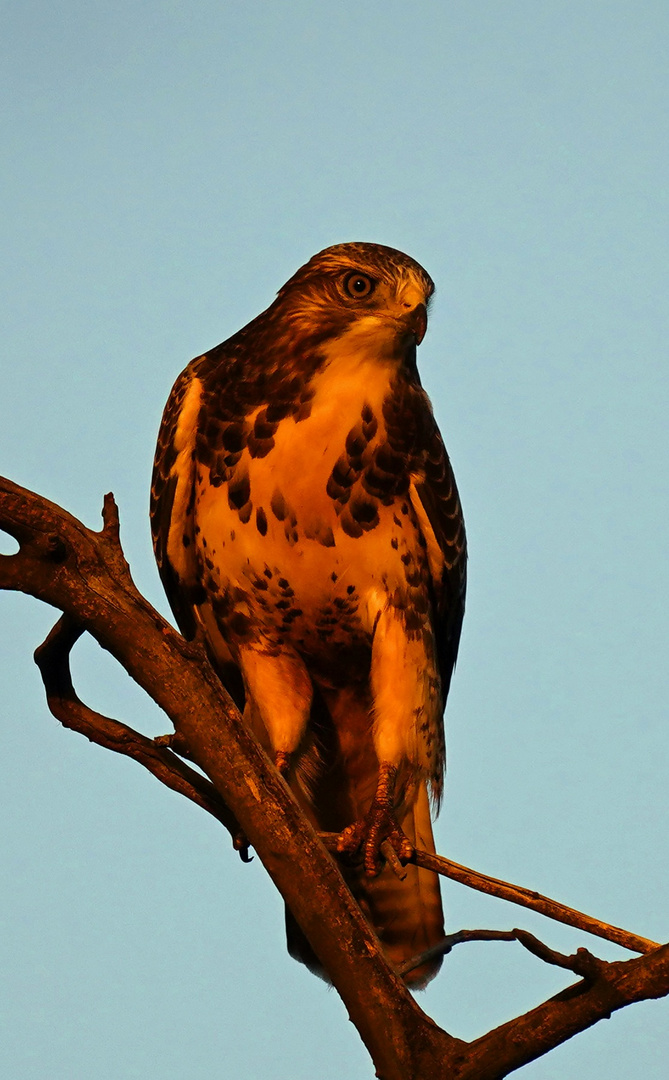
166,167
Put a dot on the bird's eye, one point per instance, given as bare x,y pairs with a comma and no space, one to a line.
358,285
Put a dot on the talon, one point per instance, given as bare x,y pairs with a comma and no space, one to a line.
241,844
378,828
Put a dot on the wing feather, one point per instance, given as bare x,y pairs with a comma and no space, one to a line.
172,498
435,499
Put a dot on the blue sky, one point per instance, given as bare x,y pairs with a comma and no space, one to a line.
166,168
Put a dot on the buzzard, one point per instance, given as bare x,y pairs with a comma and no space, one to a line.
307,524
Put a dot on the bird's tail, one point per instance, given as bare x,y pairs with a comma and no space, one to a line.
406,914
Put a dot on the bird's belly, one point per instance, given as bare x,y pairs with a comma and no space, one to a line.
290,556
290,575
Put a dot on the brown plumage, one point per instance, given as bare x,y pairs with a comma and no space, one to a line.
305,516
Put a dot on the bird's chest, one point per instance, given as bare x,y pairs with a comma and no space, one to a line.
312,528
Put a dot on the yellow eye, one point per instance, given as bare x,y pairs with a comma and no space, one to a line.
358,285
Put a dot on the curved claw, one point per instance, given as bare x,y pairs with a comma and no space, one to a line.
241,844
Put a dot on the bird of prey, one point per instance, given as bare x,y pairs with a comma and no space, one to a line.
307,524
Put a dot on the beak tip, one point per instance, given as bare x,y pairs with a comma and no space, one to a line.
419,322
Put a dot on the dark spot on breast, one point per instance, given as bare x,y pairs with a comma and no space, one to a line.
263,428
278,505
394,543
267,572
303,410
326,537
350,527
233,437
333,575
261,521
341,480
245,512
355,445
259,448
282,605
389,460
364,512
413,577
350,589
185,539
232,534
283,583
420,602
239,491
369,423
278,411
378,483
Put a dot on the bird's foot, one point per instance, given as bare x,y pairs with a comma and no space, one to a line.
377,828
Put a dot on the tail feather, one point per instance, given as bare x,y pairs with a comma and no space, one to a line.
406,914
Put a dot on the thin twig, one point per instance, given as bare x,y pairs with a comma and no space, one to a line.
582,962
524,897
447,943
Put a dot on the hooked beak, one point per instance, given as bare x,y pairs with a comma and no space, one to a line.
416,322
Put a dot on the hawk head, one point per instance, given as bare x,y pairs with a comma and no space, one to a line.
379,293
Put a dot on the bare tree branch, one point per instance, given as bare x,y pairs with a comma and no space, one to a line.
53,660
534,900
84,574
